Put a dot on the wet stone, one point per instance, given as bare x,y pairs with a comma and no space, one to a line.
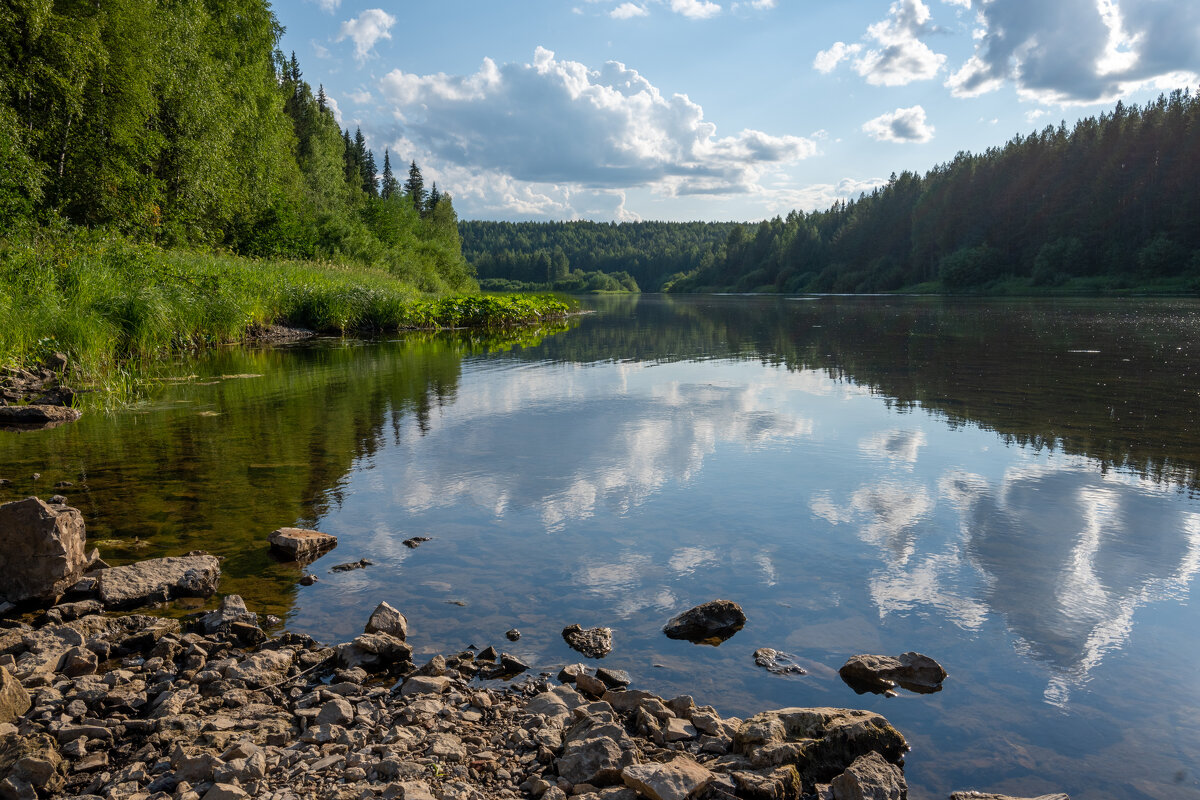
591,642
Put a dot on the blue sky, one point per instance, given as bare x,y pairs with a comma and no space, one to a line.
718,109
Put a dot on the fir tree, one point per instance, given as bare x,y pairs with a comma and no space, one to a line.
322,102
435,197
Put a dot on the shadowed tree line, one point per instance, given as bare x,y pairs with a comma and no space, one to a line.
1108,204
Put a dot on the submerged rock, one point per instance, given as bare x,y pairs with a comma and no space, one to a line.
352,565
777,662
42,550
300,544
880,674
710,623
416,541
158,580
592,642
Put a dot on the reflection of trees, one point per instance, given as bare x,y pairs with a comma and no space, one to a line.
217,463
1112,380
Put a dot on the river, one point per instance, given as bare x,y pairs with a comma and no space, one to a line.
1007,486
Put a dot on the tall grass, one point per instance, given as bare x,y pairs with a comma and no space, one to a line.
104,300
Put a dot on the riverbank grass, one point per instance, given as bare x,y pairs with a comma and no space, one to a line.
105,301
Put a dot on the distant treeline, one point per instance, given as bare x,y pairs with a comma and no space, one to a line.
1111,204
652,254
181,124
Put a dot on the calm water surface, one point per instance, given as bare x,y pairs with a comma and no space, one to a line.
1006,486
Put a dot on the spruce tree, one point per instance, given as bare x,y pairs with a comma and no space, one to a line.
435,197
322,103
368,175
414,187
389,186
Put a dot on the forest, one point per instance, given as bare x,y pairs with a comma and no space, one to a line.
1108,205
182,124
589,256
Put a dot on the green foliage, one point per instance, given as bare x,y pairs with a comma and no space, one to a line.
104,299
180,124
651,253
968,267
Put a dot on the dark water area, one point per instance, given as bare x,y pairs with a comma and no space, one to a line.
1007,486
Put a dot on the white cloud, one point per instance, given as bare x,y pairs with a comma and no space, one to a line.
366,29
628,11
827,60
328,5
607,128
332,103
901,125
896,54
1082,51
361,96
820,196
695,9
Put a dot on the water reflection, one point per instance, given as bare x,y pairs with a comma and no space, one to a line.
1069,555
587,440
861,475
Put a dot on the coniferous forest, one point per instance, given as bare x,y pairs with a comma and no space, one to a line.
183,125
1110,204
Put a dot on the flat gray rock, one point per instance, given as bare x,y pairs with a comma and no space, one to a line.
158,580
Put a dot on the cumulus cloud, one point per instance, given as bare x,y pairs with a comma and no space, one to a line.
827,60
894,54
1081,51
901,125
695,9
628,11
608,128
328,5
366,29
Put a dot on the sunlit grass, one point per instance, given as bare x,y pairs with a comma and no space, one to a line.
107,302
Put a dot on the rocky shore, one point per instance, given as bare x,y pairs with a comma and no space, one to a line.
98,704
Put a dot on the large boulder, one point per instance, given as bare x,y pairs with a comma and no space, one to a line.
821,743
41,550
708,623
300,544
159,580
879,674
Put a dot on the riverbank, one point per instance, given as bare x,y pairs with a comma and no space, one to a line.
105,302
